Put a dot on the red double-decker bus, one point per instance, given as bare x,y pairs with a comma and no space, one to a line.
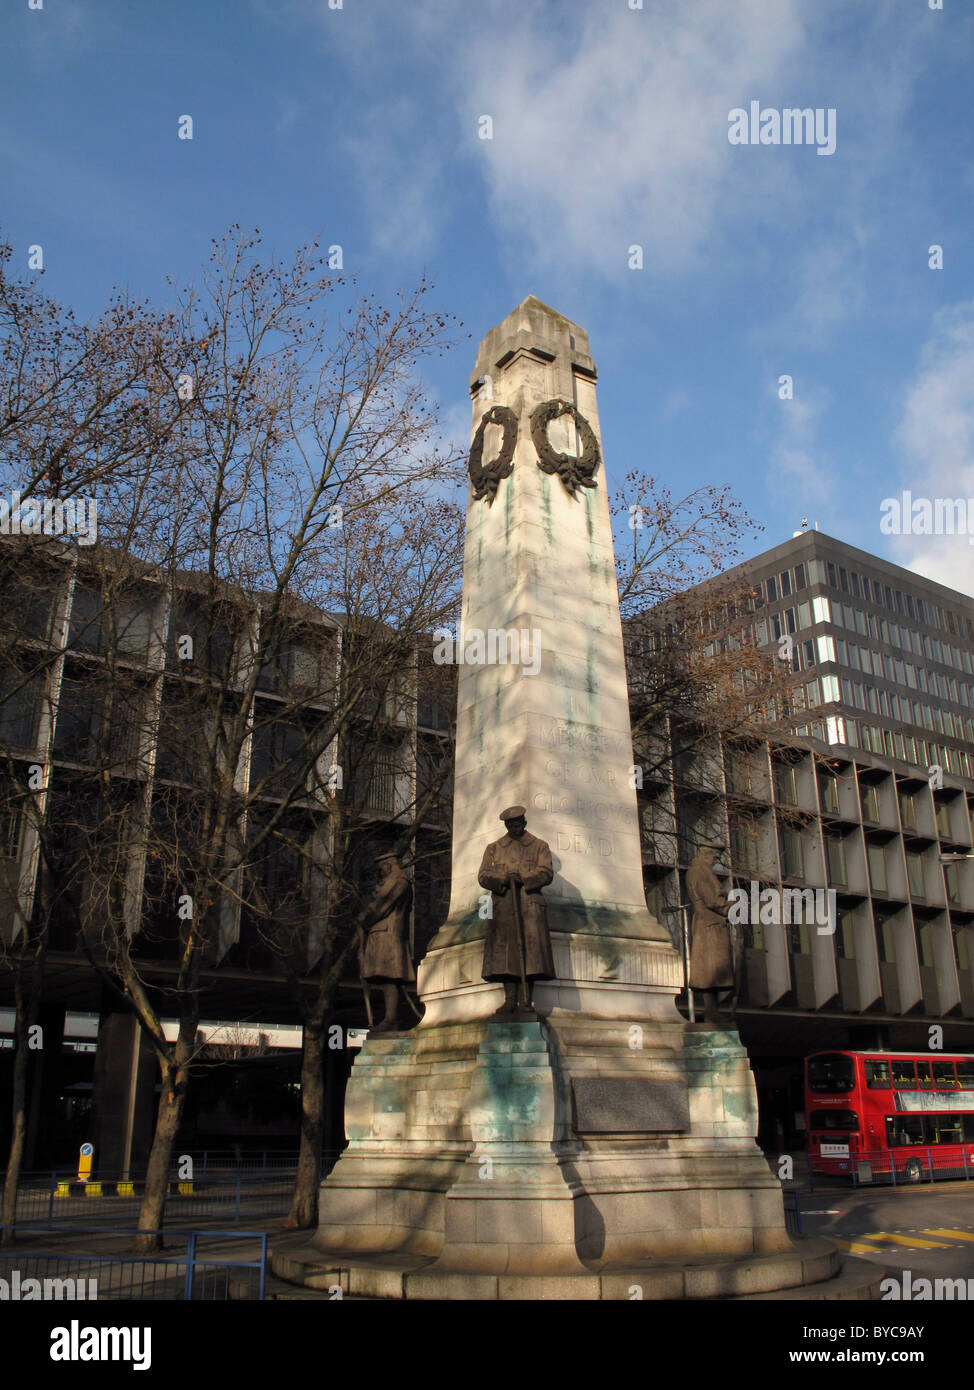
909,1115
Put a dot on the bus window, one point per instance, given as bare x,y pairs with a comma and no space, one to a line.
965,1073
877,1076
904,1129
831,1073
904,1075
944,1076
924,1076
968,1121
833,1119
946,1129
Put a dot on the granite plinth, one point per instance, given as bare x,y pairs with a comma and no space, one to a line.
467,1150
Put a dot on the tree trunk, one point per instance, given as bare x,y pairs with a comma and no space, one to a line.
8,1209
26,1017
304,1201
175,1078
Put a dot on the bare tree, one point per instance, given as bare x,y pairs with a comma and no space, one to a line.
79,409
299,471
705,689
690,626
389,802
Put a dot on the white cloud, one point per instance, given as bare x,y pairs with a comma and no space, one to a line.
610,129
797,467
400,174
618,135
936,436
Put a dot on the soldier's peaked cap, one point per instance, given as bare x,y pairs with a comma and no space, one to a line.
512,813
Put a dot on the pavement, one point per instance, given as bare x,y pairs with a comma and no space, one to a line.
926,1230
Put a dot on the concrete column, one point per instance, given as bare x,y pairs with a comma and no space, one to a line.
123,1100
43,1082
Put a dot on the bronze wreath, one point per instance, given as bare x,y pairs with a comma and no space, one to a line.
574,472
486,479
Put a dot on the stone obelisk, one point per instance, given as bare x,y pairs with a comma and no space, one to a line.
602,1143
551,733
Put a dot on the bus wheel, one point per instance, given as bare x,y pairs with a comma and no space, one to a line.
913,1172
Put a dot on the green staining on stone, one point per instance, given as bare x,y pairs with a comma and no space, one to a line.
736,1103
470,926
591,681
546,509
513,1087
479,524
597,920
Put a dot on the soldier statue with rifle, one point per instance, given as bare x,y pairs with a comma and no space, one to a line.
517,946
383,940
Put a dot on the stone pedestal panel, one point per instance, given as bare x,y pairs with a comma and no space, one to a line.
552,1148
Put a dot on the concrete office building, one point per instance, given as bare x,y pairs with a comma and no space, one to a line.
874,799
57,697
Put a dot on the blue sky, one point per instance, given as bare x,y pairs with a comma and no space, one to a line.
361,126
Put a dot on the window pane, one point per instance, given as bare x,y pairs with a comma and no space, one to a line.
831,1073
904,1130
870,803
877,1076
835,855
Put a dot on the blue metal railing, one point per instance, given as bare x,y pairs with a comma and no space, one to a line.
58,1198
157,1276
904,1165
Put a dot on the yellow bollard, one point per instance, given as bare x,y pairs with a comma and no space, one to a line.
185,1189
92,1189
125,1189
63,1189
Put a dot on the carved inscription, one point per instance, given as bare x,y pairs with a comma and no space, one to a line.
583,844
565,732
583,806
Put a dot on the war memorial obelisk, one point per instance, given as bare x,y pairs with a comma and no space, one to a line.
601,1144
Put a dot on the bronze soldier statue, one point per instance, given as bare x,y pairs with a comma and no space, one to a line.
711,958
384,938
517,947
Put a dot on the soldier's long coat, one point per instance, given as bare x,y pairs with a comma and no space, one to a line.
711,961
531,858
385,955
